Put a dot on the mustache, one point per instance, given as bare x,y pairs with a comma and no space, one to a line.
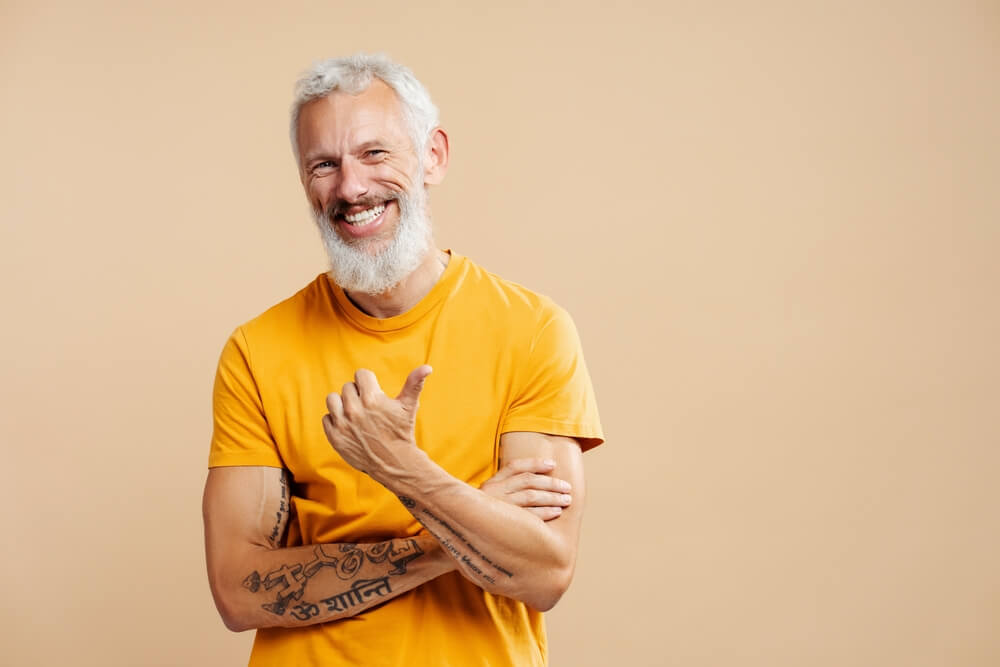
338,206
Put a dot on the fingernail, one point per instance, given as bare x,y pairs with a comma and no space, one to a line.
565,486
566,498
549,462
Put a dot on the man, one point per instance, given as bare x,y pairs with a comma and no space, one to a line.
429,528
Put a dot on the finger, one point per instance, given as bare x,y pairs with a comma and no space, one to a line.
546,513
329,429
519,466
351,399
541,482
367,385
536,498
410,394
335,406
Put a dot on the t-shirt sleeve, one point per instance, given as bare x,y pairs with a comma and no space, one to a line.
553,392
240,434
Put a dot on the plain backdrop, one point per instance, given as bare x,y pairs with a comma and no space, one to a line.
776,225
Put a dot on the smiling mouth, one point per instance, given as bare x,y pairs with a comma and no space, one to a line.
365,217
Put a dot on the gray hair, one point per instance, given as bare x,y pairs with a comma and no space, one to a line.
353,74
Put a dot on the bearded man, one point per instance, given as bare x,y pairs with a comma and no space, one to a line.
429,528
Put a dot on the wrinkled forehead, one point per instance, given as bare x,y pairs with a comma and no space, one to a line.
341,120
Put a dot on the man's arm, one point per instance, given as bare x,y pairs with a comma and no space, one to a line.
258,584
502,548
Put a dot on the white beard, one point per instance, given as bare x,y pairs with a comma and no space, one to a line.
354,269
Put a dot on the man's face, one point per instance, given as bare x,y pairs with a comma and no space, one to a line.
364,181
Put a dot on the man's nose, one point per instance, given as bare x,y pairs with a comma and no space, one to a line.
351,185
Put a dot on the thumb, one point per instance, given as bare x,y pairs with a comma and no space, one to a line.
410,394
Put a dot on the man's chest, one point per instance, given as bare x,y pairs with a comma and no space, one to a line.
461,408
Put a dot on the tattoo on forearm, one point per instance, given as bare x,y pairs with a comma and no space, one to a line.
398,553
457,553
350,564
290,580
359,593
408,502
281,515
305,610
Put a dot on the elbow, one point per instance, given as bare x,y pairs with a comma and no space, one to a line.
544,601
235,623
549,580
233,616
548,589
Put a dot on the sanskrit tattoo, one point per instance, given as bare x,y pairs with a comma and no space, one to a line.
290,580
305,610
360,592
357,594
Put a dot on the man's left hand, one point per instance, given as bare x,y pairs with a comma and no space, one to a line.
374,433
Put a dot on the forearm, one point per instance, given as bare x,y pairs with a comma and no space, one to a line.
502,548
310,584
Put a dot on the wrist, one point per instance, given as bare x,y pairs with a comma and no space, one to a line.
419,477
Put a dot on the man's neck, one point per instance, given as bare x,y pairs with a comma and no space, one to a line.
407,293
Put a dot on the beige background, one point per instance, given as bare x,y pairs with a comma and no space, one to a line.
776,225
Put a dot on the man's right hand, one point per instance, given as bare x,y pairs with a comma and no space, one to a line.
526,483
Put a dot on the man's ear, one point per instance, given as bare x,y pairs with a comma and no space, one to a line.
436,157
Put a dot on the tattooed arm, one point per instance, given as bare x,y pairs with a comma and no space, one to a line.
256,583
502,548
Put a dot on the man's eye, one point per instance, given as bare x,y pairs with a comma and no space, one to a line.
327,164
375,152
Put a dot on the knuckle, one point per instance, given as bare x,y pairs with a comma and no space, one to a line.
520,481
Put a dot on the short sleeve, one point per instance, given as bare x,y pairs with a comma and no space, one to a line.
553,392
240,435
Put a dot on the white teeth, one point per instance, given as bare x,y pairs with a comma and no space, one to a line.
364,217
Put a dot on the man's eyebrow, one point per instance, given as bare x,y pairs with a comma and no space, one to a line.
327,155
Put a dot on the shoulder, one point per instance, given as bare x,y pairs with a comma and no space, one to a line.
517,302
292,313
538,325
286,324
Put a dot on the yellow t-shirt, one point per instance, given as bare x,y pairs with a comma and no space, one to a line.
504,359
